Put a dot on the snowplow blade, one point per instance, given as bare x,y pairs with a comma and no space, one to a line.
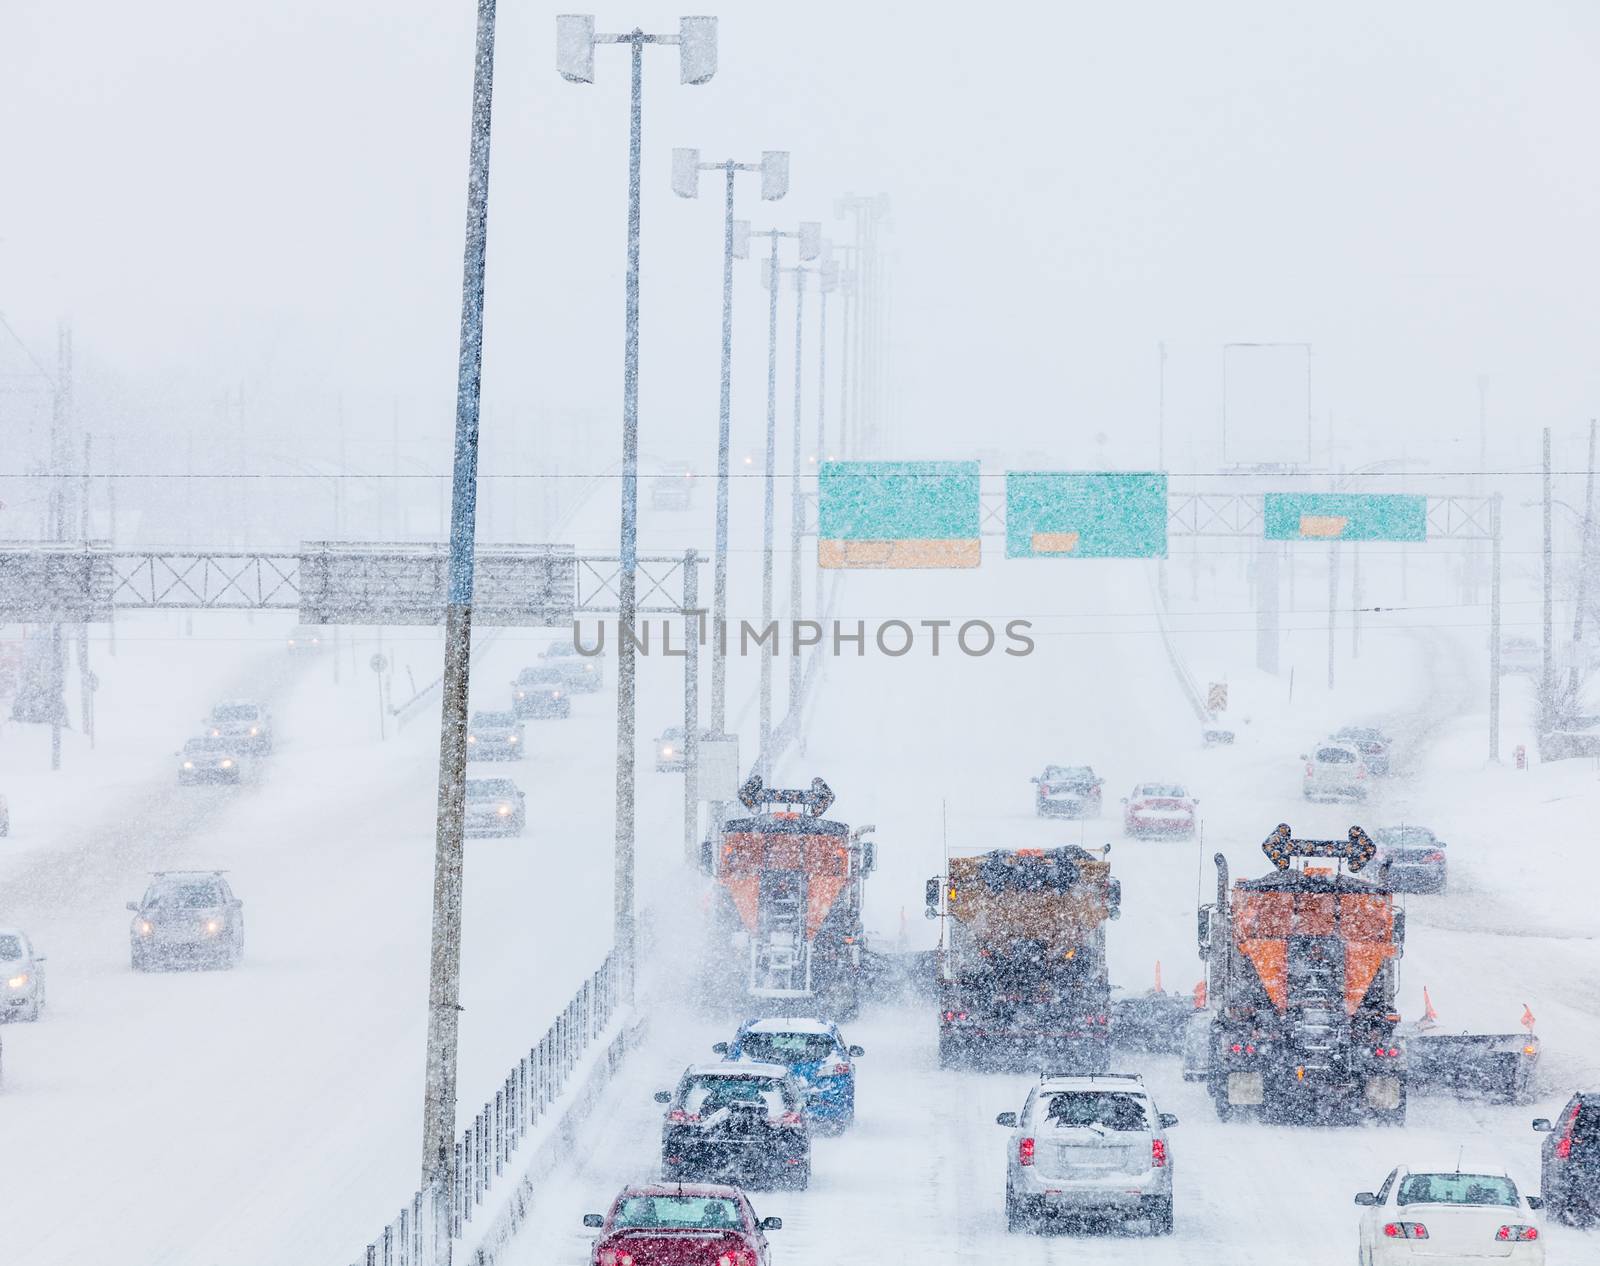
1498,1066
1150,1021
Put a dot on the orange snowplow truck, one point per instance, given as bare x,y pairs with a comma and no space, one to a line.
1301,975
788,903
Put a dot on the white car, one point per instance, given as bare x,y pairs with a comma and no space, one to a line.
1335,771
1449,1215
21,977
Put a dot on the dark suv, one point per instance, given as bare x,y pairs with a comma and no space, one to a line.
743,1123
1569,1163
187,916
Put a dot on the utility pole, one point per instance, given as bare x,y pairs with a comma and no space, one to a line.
444,968
1355,600
1333,603
60,420
1161,457
796,507
692,616
1583,560
86,680
765,758
1494,628
1547,678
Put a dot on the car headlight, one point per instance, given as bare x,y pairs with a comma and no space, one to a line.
188,764
216,733
522,694
16,982
213,926
227,763
511,738
504,811
254,731
472,738
666,751
291,641
146,927
588,668
555,694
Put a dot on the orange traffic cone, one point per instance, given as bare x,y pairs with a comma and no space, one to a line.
1158,975
1527,1018
1200,995
1428,1013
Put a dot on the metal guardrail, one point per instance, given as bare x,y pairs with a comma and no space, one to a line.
487,1146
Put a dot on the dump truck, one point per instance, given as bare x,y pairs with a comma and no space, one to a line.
1022,958
786,927
1300,1022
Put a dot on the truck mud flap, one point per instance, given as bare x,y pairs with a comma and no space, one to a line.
1246,1090
1381,1094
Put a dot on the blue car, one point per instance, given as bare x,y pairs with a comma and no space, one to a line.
814,1051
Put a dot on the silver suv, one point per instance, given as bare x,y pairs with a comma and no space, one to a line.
1088,1146
1335,770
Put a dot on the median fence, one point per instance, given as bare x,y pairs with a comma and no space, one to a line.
487,1148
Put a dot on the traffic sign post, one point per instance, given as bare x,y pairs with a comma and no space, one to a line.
379,663
1053,514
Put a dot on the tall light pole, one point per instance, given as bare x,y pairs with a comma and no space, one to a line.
697,49
686,169
809,239
869,211
1547,677
444,964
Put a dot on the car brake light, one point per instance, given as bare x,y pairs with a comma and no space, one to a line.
1564,1143
955,1015
839,1070
1158,1154
1405,1230
1024,1151
1434,856
1517,1232
679,1117
737,1257
611,1257
789,1118
1309,770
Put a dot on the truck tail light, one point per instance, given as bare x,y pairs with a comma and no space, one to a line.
1024,1151
1158,1154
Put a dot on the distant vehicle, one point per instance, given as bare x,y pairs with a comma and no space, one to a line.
1416,858
1335,771
1068,791
1521,655
673,489
670,751
1569,1161
1448,1215
681,1222
5,817
1159,808
495,806
187,916
1373,744
541,692
583,673
495,736
244,722
1088,1146
743,1123
21,977
305,639
210,760
816,1055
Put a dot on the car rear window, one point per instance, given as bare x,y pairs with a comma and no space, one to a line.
1161,790
704,1212
1456,1189
10,947
787,1048
1336,756
1108,1109
704,1095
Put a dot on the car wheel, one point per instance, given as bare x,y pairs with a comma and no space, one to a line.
1018,1219
141,959
32,1013
1158,1212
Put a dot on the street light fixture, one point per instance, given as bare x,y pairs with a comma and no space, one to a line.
697,62
808,239
686,169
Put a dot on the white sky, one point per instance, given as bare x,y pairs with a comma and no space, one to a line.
272,195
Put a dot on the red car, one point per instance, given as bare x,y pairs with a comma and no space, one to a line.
681,1224
1159,808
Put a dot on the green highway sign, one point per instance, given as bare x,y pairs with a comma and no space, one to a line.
1345,516
898,514
1052,514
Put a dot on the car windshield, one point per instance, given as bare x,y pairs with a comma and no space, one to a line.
206,745
1336,756
235,712
1161,790
493,720
706,1094
490,788
708,1212
183,896
1457,1189
10,946
1110,1109
787,1048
